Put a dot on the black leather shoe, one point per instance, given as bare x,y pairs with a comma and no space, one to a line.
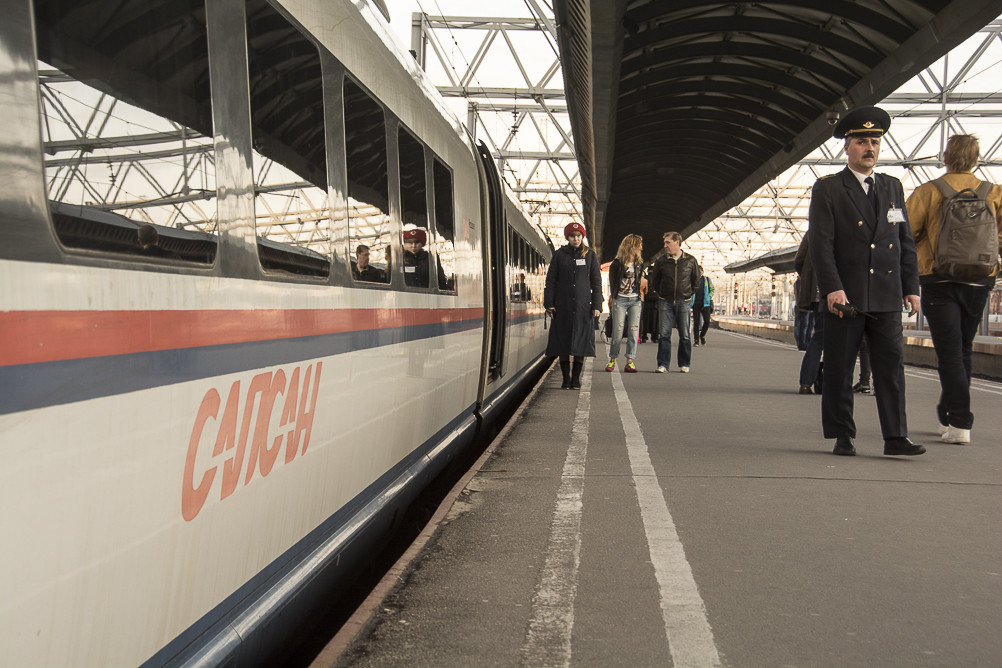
902,446
806,389
844,447
859,388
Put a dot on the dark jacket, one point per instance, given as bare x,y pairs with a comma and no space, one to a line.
807,283
416,270
616,270
574,288
370,273
853,249
676,281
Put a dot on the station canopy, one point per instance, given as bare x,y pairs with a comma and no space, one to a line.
682,109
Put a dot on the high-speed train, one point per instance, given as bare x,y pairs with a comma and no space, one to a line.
257,290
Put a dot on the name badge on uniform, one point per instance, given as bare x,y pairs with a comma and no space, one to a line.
581,261
410,270
895,215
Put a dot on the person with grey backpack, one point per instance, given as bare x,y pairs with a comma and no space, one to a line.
957,224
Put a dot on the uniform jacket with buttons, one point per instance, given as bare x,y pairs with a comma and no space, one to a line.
856,250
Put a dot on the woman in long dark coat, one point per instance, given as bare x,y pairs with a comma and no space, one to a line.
573,299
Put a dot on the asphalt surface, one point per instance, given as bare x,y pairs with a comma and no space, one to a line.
795,557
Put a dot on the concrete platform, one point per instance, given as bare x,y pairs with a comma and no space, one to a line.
700,519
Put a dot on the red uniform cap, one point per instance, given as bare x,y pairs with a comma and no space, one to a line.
416,234
574,228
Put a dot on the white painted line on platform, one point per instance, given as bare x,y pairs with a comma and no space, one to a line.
690,639
548,641
977,384
760,339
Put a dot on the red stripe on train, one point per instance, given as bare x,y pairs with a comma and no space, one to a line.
31,337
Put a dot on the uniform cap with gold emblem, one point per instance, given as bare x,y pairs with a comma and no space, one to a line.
863,122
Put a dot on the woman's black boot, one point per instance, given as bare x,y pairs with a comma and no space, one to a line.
576,375
565,368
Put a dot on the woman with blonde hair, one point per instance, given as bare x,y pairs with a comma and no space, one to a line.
626,288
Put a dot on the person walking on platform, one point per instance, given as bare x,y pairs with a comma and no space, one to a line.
803,318
807,298
953,303
572,297
676,277
649,314
626,279
702,308
863,255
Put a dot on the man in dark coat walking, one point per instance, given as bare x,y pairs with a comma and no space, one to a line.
863,254
573,299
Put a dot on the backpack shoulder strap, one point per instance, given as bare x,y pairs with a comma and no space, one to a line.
983,190
945,188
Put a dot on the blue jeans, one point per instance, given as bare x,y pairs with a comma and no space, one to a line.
954,312
674,315
803,327
625,309
812,358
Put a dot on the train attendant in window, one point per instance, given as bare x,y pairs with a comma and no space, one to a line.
416,258
573,298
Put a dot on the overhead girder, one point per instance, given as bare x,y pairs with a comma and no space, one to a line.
751,84
652,59
765,95
847,48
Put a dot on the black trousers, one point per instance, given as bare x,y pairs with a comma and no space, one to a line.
700,314
884,337
954,311
649,320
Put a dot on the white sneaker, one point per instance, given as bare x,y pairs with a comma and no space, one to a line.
942,429
661,369
683,369
956,435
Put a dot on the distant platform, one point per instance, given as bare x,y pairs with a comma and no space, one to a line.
986,360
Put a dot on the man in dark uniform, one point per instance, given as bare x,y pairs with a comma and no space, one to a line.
863,254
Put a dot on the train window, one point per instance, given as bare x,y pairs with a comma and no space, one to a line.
368,204
414,206
445,226
127,127
290,156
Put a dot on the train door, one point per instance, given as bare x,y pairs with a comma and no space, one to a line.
494,268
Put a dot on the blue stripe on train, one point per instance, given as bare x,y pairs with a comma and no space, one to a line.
29,386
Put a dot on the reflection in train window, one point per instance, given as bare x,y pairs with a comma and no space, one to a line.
445,226
129,161
290,161
368,206
414,207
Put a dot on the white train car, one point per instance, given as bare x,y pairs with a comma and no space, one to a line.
210,406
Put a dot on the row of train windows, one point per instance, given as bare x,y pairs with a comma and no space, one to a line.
130,163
